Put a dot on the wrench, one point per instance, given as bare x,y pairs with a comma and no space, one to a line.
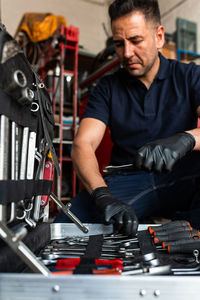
13,171
4,138
132,240
77,255
29,175
117,253
23,160
71,243
158,270
64,249
195,269
112,236
66,210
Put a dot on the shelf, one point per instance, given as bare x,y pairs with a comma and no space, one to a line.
58,141
114,62
67,159
66,198
68,72
68,126
64,125
66,120
64,99
187,55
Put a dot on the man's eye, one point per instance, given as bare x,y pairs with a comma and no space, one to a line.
136,42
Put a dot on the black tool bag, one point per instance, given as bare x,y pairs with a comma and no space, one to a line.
25,103
26,132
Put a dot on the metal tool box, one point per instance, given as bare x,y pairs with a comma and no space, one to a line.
34,286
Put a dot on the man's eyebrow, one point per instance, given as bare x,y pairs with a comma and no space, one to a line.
135,37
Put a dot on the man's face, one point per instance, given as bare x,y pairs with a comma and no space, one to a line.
137,42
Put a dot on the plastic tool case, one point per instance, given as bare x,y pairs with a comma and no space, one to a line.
26,156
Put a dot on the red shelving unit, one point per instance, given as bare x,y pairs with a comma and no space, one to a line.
66,55
68,65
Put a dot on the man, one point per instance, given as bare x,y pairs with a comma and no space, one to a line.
151,107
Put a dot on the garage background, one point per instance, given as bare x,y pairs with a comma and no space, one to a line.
90,15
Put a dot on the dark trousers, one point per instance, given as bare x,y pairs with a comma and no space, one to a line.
174,195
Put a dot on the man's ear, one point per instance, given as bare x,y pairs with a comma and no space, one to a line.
160,37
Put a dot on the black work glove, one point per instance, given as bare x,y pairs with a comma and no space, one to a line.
125,220
161,155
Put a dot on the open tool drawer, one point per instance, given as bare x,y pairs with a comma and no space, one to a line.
96,287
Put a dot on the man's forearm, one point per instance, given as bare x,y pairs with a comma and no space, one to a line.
86,167
196,134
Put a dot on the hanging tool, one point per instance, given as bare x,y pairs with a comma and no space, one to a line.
66,210
13,169
48,175
4,158
30,174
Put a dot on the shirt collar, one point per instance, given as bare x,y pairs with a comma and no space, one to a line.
164,68
162,73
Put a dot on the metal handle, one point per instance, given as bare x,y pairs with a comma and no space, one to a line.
67,211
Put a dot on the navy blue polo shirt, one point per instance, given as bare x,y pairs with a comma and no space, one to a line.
137,115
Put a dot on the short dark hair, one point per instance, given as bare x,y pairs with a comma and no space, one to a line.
149,8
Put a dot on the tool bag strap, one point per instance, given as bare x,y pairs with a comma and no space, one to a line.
16,190
93,250
145,242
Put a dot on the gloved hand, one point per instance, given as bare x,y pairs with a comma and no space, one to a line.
161,155
125,220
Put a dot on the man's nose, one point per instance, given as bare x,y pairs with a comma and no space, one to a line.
128,49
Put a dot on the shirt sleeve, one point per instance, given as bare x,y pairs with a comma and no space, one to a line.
98,104
195,84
